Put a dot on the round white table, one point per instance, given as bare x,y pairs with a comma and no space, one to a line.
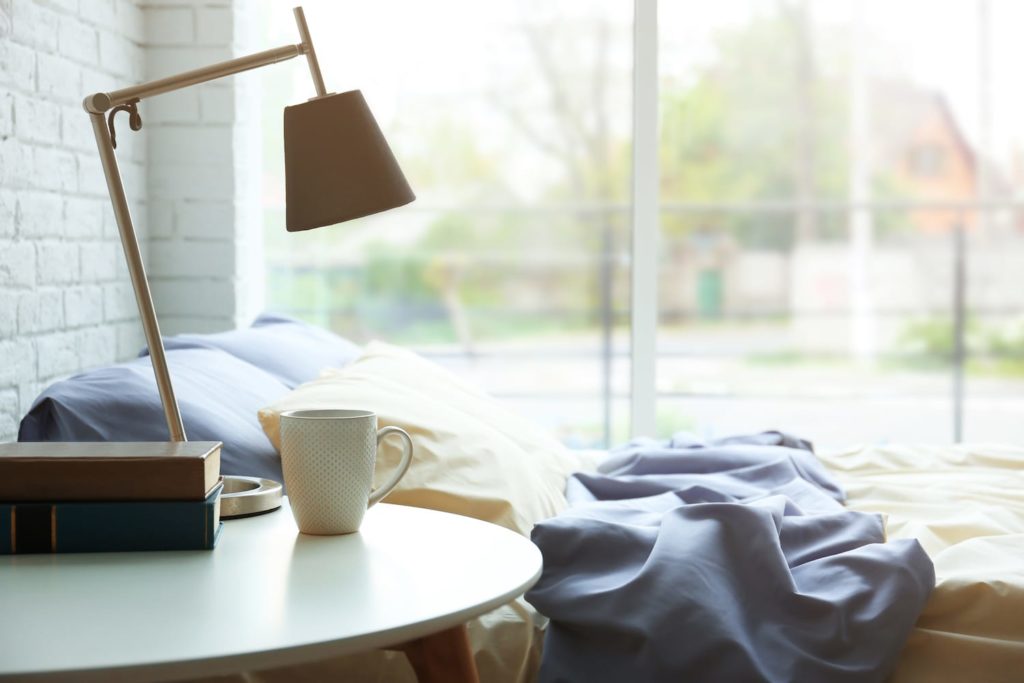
267,596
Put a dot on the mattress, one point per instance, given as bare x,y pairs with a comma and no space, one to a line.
965,505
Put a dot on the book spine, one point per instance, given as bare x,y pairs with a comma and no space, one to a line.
113,478
85,527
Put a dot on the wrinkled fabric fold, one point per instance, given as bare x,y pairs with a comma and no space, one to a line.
732,561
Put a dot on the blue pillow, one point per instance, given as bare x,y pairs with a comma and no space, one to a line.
291,350
218,395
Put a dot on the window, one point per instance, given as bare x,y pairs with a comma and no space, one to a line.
835,206
848,178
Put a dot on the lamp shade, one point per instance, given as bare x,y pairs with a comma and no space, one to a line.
338,166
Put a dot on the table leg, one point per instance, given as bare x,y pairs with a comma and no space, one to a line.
443,657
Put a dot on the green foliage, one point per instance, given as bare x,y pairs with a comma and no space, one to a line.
991,349
737,132
935,338
394,273
444,157
1007,342
931,338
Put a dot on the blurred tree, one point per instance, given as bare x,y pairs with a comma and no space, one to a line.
762,121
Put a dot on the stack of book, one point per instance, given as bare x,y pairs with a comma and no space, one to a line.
109,496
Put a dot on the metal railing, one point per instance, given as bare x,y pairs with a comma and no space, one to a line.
607,260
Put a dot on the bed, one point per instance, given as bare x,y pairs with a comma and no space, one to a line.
964,505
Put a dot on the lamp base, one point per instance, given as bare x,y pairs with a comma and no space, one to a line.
249,496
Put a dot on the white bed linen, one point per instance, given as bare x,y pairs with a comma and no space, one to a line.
965,504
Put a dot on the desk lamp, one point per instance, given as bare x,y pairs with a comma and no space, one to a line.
338,166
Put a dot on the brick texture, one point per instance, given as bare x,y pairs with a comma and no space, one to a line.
52,210
205,262
66,303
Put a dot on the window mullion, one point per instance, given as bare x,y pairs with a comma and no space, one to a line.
644,262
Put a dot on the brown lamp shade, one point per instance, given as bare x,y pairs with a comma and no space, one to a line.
338,166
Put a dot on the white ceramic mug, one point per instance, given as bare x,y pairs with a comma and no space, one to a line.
328,458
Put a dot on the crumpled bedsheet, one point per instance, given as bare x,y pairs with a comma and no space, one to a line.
725,561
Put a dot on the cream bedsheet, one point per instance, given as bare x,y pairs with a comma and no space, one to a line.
966,507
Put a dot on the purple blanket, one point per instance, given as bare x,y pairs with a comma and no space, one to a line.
731,561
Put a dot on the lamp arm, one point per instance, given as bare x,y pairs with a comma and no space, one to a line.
100,102
137,273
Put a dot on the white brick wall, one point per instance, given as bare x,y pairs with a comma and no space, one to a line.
191,177
65,303
203,184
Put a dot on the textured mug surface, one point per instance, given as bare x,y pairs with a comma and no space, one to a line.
328,458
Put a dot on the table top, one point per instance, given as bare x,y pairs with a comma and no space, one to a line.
266,596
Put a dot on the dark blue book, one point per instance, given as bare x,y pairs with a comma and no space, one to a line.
101,526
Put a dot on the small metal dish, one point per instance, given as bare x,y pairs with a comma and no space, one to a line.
248,496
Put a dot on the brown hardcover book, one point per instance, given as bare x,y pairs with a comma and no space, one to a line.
108,470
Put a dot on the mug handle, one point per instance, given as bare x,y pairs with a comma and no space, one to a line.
403,466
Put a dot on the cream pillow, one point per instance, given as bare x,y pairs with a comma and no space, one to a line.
471,455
